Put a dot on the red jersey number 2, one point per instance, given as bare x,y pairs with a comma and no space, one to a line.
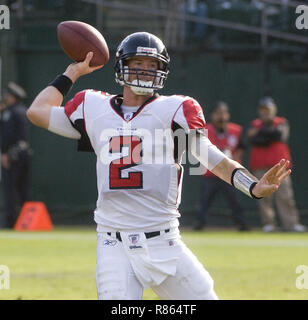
132,146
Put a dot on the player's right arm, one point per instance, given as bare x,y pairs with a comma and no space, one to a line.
40,111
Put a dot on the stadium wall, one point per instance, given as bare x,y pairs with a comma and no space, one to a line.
65,179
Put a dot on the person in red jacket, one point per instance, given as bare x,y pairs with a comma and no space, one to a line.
227,136
268,135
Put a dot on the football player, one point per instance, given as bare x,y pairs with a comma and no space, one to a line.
138,139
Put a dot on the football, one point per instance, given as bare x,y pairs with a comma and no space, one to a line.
77,38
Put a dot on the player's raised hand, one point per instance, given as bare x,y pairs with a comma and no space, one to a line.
272,179
78,69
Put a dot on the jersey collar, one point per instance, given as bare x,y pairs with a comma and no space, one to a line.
117,101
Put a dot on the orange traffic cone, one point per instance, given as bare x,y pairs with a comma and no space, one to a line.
33,216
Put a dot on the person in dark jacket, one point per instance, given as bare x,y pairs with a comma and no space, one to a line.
15,152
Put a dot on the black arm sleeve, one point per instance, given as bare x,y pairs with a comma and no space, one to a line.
84,143
180,139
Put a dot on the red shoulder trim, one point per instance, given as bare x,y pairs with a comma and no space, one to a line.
73,104
193,114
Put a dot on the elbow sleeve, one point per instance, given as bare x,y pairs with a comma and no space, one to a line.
60,124
205,152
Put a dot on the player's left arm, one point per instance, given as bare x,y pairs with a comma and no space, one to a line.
234,173
191,118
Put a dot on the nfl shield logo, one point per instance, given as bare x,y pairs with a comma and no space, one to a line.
128,116
133,238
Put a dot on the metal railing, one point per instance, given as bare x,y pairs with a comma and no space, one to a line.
174,16
169,18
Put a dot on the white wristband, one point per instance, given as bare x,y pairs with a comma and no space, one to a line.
242,180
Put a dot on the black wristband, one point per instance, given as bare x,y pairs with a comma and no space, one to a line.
232,176
63,84
250,191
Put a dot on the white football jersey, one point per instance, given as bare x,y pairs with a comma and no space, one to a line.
139,175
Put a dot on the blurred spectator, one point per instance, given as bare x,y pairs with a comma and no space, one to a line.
268,135
227,136
15,152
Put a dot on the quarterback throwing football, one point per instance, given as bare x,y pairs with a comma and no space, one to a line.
139,172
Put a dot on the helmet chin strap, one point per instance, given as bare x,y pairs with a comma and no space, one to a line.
143,89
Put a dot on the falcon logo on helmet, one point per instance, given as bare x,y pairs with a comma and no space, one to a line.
142,44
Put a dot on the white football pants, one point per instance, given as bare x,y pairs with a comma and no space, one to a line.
121,275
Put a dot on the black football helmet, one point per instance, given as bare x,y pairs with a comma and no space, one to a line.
146,45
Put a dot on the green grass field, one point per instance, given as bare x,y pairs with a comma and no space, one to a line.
61,264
